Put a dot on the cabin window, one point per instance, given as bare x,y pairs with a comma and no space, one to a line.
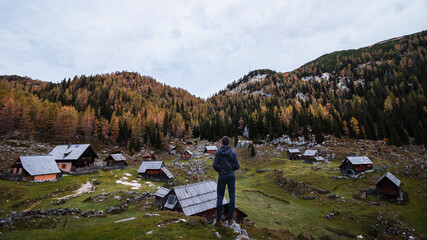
171,199
64,165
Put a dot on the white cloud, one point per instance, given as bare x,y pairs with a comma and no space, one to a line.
200,46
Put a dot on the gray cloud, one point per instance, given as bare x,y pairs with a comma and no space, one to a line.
200,46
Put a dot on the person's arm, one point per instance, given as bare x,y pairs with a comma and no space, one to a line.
236,164
215,164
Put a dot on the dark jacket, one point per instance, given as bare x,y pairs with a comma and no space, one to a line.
226,162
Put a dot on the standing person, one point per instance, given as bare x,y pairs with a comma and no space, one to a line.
225,163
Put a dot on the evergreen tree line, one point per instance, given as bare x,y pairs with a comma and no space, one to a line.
371,93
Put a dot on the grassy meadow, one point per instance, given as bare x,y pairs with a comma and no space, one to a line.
274,211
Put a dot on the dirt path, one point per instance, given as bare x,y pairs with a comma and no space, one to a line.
83,189
31,206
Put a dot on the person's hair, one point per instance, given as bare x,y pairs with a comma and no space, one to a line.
225,140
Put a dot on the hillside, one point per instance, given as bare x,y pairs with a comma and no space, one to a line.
376,92
284,199
121,108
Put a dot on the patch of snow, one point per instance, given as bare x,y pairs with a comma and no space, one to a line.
124,178
257,78
134,184
152,214
326,76
124,220
361,82
181,220
302,96
150,184
342,86
128,174
307,78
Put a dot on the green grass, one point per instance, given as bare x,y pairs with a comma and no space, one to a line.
162,227
275,213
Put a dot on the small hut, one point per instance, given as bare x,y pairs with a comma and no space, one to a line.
198,199
319,159
37,168
389,186
210,149
116,159
73,157
172,150
148,156
161,196
154,170
309,155
186,155
293,154
353,166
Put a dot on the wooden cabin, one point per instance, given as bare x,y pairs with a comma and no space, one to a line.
389,186
353,166
186,155
198,199
309,156
72,157
293,154
36,168
116,159
148,156
210,149
161,195
319,159
172,150
154,170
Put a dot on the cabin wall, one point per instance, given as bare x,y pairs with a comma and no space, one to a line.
210,215
386,187
17,170
65,166
45,177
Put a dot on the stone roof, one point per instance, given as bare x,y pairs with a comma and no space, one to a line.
118,157
310,153
162,192
391,177
150,165
294,150
39,165
167,172
360,160
197,197
69,152
211,148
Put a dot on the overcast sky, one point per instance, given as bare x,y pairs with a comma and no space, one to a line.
200,46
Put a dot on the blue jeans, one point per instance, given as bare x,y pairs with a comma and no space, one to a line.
222,182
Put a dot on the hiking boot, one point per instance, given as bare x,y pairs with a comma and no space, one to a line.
230,222
218,222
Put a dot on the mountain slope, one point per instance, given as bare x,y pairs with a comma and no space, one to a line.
375,92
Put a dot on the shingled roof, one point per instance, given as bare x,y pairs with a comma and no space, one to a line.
360,160
310,153
167,172
150,165
197,197
211,148
39,165
294,150
69,152
162,192
391,177
118,157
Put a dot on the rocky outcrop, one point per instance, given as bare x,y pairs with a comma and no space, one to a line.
17,216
